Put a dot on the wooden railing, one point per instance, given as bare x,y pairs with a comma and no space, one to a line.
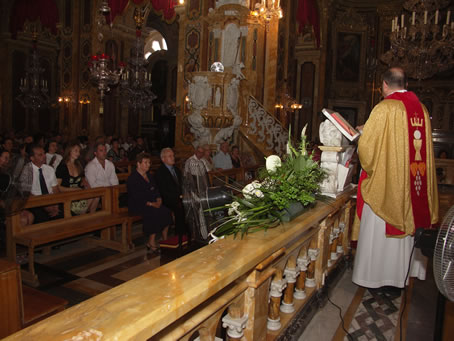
252,287
240,175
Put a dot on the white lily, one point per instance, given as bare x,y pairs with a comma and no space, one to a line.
303,132
272,163
234,208
258,193
303,140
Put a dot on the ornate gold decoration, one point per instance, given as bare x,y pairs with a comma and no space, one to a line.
422,39
416,122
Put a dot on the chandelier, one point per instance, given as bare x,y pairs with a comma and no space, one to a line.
136,82
422,39
33,86
101,72
267,10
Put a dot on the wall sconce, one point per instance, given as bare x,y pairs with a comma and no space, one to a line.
64,99
84,99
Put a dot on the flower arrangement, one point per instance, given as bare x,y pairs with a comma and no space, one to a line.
265,202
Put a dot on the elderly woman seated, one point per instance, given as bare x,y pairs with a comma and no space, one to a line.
145,200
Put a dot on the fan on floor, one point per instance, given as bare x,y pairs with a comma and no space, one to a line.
443,260
197,198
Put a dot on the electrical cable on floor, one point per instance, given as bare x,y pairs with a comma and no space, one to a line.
350,337
405,290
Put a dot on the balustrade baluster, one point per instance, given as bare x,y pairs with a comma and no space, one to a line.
277,286
291,272
302,262
310,274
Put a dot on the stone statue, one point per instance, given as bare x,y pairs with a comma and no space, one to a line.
329,134
232,106
199,95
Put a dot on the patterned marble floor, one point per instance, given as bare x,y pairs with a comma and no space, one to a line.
78,271
377,315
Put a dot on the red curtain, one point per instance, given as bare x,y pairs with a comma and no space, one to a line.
22,10
166,7
308,14
47,12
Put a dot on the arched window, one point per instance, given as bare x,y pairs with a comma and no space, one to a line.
154,42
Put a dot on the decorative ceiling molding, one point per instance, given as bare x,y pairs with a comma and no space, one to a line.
368,4
350,20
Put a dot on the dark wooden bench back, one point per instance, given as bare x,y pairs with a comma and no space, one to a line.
14,227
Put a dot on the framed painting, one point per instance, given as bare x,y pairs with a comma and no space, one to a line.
349,53
348,57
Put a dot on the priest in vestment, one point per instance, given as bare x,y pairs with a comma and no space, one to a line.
397,191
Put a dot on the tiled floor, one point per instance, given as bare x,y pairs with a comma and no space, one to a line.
419,325
325,322
77,271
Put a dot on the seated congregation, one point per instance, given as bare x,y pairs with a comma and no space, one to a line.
85,188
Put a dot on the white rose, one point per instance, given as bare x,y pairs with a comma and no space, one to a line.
272,163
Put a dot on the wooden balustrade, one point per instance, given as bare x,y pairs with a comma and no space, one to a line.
223,285
238,175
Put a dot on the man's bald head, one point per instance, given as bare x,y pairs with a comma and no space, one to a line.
395,78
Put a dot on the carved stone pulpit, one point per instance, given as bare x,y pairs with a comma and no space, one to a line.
214,106
244,42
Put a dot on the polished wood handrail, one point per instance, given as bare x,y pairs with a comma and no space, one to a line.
151,303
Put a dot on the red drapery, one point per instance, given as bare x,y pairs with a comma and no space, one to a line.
31,10
47,12
308,14
166,7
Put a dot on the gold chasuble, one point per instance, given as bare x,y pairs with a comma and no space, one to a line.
384,153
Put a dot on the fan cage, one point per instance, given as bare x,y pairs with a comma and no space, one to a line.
443,260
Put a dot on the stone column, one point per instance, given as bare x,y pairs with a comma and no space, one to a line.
291,272
277,286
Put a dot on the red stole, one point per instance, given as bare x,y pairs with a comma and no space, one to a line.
418,162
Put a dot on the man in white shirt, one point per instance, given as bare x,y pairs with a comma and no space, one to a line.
222,159
194,165
44,182
52,158
100,172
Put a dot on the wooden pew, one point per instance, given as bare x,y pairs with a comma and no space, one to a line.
48,232
21,306
117,191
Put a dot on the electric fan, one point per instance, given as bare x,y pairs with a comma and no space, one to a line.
443,260
197,198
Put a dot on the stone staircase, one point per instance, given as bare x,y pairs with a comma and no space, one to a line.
263,130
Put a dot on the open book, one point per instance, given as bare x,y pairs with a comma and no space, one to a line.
344,127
